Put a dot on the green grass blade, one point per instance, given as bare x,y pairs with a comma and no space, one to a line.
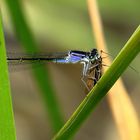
28,42
122,61
7,126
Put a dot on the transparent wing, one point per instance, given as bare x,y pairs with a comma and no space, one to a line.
21,58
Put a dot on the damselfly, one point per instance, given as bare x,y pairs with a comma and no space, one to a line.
92,63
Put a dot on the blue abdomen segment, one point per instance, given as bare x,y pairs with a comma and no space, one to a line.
73,57
68,59
60,60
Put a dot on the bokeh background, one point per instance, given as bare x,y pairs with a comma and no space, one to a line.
62,26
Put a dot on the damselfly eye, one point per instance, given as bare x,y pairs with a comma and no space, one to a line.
91,57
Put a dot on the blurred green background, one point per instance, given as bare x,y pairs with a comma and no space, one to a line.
60,25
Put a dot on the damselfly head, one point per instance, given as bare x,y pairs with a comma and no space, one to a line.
94,56
94,52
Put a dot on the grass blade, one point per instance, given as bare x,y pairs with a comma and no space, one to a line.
122,61
7,126
122,108
27,40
